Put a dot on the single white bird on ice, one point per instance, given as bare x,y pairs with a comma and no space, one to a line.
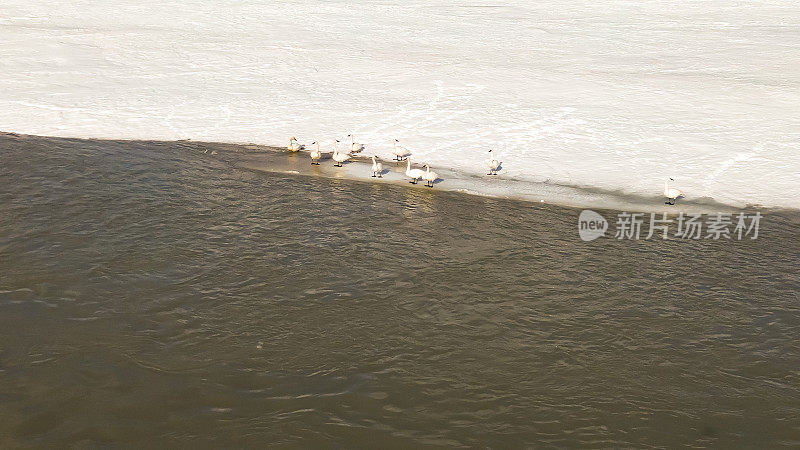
339,157
400,153
377,168
429,177
294,146
671,193
493,164
315,154
355,147
414,174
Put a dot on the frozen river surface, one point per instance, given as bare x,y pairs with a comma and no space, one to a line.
613,94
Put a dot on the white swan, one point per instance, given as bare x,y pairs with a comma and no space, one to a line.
400,153
429,177
294,146
414,174
377,168
493,164
355,147
339,157
315,154
671,193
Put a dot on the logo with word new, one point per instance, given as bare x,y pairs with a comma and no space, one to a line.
632,226
591,225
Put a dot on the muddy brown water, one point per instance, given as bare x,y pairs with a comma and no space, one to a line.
151,295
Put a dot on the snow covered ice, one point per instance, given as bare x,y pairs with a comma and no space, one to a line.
610,94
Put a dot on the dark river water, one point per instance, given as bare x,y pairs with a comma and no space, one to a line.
152,295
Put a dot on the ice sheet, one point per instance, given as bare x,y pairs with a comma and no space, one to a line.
609,94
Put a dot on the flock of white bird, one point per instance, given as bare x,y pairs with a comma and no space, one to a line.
400,154
415,175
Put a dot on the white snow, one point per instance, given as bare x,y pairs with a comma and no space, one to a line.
610,94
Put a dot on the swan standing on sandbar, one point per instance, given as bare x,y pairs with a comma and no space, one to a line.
294,146
355,147
315,154
414,174
400,153
493,164
339,157
671,193
429,177
377,168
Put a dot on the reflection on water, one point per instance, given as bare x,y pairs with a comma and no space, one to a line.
416,201
152,295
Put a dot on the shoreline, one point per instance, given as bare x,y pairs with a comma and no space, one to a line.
271,159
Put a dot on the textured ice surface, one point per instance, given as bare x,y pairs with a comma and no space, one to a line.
608,94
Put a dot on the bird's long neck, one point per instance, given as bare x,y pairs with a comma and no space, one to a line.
408,166
317,146
373,160
335,148
666,185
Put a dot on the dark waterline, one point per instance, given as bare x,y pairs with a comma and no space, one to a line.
153,296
